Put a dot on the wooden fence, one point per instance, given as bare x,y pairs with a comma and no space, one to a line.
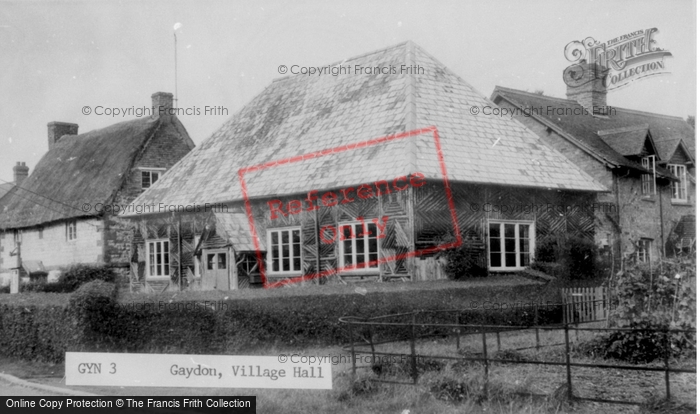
585,304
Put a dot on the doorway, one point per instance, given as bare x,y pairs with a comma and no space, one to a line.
216,265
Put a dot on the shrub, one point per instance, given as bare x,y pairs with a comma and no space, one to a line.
581,258
93,307
448,389
648,344
464,262
570,256
651,301
548,250
80,274
186,322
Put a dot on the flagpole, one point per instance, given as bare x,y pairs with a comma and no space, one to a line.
175,35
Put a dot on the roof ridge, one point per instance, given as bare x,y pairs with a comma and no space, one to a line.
630,128
450,71
503,88
338,62
617,108
636,111
411,115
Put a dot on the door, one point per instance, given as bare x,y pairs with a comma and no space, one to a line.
215,270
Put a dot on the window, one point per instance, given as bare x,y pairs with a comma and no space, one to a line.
216,261
41,233
197,259
71,230
648,180
18,237
644,250
358,246
680,189
284,251
158,258
511,245
148,178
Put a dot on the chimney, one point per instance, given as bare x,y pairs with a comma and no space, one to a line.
585,84
21,172
162,104
59,129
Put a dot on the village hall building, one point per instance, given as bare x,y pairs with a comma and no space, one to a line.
346,176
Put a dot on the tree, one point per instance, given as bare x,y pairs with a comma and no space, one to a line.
691,121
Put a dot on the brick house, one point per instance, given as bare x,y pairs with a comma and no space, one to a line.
645,160
328,209
64,212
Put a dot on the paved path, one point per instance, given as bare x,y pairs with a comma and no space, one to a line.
11,386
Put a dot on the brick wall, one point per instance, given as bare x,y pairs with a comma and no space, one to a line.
638,216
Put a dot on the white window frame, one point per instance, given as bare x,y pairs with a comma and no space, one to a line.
159,270
649,180
268,262
531,238
644,250
72,230
366,238
151,171
197,259
679,188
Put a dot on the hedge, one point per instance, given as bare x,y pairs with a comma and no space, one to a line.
95,321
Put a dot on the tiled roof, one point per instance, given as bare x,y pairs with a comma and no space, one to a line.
236,229
301,114
627,141
666,131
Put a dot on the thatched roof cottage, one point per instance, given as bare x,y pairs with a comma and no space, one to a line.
65,211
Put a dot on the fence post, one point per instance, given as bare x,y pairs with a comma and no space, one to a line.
667,351
486,365
371,342
458,330
352,348
570,393
537,338
414,369
498,341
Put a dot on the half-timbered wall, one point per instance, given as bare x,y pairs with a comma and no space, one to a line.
416,219
552,211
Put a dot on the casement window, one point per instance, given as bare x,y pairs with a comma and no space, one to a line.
71,230
358,246
18,237
644,250
158,257
284,251
511,244
40,230
149,177
680,189
648,180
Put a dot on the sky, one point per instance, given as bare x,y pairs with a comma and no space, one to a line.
58,57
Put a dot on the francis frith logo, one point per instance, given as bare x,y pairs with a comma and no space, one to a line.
622,60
